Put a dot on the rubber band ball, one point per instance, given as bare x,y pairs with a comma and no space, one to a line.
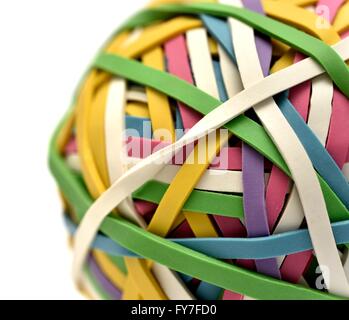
206,154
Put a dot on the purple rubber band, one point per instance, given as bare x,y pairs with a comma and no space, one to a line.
263,45
112,291
256,218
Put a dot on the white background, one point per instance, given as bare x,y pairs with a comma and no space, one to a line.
45,47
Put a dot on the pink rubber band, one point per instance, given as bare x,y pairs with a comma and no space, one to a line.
143,147
70,147
295,265
300,95
338,138
177,64
276,192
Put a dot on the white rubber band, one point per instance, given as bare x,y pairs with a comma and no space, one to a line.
212,180
73,162
232,79
321,107
116,153
135,95
115,114
201,61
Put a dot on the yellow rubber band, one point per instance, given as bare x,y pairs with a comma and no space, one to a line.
341,23
301,18
109,269
213,46
300,3
279,48
159,106
144,279
131,292
96,132
158,2
89,169
286,60
153,36
137,109
118,42
201,225
181,187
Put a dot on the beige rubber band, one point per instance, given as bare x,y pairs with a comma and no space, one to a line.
136,95
174,289
321,107
199,53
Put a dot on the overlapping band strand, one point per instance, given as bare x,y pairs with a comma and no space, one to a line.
261,87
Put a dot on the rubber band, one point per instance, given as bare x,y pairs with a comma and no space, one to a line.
153,36
178,65
109,269
341,22
137,109
136,94
321,107
151,290
159,107
109,288
338,141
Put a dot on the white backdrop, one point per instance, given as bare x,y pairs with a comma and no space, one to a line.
45,47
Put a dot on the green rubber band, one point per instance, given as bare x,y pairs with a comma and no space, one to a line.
299,40
199,201
244,128
172,255
204,202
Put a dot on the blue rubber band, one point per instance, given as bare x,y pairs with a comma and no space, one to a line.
233,248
